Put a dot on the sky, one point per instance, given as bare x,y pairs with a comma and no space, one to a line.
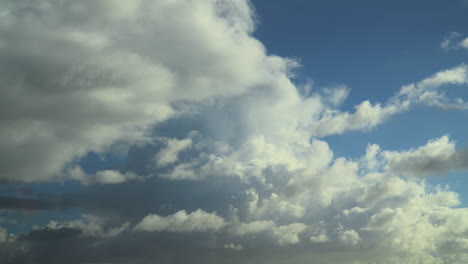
233,131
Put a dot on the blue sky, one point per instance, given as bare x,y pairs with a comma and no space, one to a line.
231,131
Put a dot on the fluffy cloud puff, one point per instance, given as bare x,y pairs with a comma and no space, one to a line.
181,221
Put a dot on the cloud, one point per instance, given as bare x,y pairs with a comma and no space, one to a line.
454,41
181,222
223,151
5,236
464,43
168,155
11,203
289,234
254,227
368,115
101,177
81,83
438,157
77,65
89,226
233,246
447,42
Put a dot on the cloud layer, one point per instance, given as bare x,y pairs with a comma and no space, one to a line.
226,158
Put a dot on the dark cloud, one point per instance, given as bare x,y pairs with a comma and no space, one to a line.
11,203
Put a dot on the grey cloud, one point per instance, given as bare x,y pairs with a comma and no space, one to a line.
437,157
48,234
421,166
11,203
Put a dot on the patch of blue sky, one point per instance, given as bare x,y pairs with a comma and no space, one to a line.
93,162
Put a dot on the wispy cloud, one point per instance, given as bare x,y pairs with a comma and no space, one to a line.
454,40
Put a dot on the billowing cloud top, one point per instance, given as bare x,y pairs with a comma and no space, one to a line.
226,158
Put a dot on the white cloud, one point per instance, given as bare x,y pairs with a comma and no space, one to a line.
81,83
319,238
424,160
282,234
5,236
90,226
447,42
254,227
454,41
289,234
439,156
234,246
101,177
169,154
181,222
349,237
464,43
455,76
368,115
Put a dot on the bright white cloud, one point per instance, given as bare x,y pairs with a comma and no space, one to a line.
181,222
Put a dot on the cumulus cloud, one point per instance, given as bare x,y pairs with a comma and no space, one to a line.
438,157
112,90
168,155
181,222
225,158
81,82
